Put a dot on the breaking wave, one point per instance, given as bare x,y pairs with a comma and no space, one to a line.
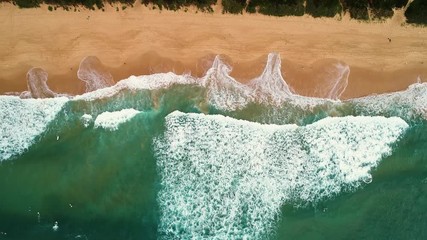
23,120
272,98
224,178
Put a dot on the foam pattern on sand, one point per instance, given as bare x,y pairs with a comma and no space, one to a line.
270,88
112,120
94,74
23,120
37,84
223,91
223,178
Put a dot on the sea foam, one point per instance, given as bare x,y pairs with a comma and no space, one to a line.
408,104
223,178
23,120
145,82
112,120
222,91
86,119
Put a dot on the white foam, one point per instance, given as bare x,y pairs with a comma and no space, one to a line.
408,104
112,120
23,120
270,87
223,91
145,82
227,179
86,119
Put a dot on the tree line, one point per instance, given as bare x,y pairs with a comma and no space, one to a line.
358,9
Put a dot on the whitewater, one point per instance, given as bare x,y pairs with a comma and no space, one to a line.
167,156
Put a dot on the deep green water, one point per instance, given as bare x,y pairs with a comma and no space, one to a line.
99,183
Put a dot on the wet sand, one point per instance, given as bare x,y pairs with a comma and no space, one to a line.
140,40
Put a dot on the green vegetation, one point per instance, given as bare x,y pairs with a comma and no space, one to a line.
203,5
384,8
277,7
323,8
358,9
417,12
233,6
67,4
27,3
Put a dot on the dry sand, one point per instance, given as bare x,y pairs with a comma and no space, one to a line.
140,40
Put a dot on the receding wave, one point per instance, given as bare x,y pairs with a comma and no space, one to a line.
224,178
94,74
226,93
37,84
334,81
270,86
223,91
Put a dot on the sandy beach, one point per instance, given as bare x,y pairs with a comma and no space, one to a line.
382,57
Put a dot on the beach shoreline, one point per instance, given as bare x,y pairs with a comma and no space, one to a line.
382,57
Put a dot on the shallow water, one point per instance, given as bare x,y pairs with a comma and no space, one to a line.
155,157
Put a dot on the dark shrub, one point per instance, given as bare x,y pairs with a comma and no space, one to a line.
384,8
27,3
277,7
358,9
323,8
417,12
233,6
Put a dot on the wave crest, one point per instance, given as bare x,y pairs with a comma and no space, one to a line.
217,172
23,120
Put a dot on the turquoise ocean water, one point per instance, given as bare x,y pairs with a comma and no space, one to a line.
169,156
